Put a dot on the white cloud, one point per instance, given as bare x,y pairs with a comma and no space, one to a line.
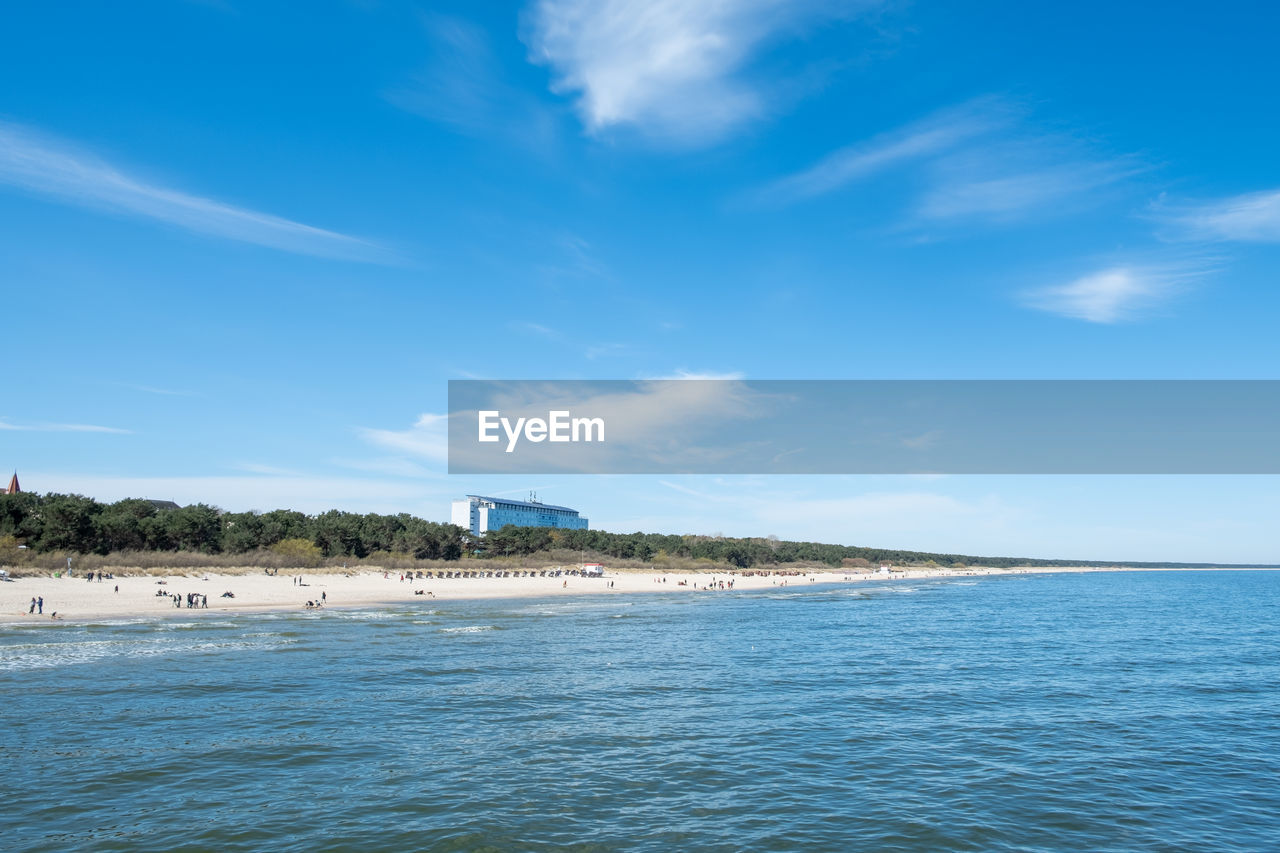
702,375
988,185
428,438
458,87
979,160
164,392
538,329
1114,294
45,165
926,138
462,85
47,427
1252,217
671,68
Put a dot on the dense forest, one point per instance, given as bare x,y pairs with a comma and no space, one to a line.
55,523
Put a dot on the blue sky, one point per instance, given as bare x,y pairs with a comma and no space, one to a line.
245,246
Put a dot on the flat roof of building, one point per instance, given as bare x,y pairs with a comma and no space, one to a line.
529,504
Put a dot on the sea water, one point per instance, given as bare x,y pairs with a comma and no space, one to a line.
1073,712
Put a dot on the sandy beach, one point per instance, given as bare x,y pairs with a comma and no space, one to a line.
74,599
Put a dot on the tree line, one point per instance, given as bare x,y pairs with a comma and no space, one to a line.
56,522
72,523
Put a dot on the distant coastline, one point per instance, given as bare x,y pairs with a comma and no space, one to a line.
123,595
42,532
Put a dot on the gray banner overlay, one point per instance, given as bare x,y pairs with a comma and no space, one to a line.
696,426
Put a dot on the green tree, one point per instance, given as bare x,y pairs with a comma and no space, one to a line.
68,523
194,528
119,526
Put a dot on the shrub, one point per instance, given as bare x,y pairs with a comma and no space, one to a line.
298,552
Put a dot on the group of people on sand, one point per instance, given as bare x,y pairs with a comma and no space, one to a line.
98,576
37,608
412,575
195,601
316,605
715,584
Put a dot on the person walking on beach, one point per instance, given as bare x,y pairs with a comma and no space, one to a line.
33,605
40,605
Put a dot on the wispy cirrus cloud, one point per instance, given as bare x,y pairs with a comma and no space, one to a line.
672,69
462,85
162,392
926,138
982,160
538,329
590,351
50,427
45,165
1247,218
571,257
428,438
1007,182
458,86
1116,293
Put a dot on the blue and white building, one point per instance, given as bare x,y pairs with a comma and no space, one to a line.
480,514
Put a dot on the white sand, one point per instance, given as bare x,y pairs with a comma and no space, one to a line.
77,600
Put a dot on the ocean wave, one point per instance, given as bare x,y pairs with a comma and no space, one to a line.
53,655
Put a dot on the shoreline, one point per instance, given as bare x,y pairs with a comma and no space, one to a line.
76,600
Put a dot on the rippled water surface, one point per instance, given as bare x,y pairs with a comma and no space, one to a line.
1044,712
